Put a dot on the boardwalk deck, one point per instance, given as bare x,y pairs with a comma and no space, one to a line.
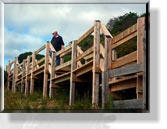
98,62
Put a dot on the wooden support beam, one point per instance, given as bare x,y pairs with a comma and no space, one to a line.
45,80
22,77
124,60
73,75
32,75
126,70
14,75
141,83
52,75
140,35
85,35
27,72
105,77
96,64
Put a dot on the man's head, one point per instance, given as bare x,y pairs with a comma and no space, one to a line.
55,33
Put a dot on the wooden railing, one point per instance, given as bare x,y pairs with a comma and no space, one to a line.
102,56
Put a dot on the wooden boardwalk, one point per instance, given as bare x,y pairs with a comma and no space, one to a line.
99,63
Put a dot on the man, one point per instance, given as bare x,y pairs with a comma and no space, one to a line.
58,44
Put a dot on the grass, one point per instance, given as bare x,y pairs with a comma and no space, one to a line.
17,101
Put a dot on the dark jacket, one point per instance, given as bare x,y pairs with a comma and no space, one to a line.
57,42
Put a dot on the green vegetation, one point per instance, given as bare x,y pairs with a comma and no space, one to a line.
17,101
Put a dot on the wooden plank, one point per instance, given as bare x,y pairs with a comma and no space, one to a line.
32,75
14,76
68,63
123,85
65,50
40,49
86,34
124,60
105,30
96,63
52,75
23,74
140,36
72,74
125,33
120,42
27,72
87,52
102,50
129,69
125,78
45,80
105,78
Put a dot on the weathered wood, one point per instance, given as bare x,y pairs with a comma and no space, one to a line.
14,76
129,69
96,63
123,85
124,60
120,42
87,52
45,80
102,50
105,78
32,75
40,49
140,37
73,75
85,35
105,31
22,78
52,75
125,33
27,72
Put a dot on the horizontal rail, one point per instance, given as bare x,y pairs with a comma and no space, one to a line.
87,52
124,60
85,35
124,34
120,42
40,49
130,69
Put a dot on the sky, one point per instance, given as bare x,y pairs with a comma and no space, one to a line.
29,26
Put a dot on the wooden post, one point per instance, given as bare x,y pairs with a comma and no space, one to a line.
140,53
96,65
8,70
45,83
144,74
52,74
14,76
105,77
73,77
23,74
27,72
32,76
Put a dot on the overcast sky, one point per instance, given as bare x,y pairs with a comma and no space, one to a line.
29,26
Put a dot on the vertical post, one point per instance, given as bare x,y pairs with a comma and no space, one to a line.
96,64
23,74
8,70
27,72
32,76
73,77
45,83
52,74
105,79
140,53
14,76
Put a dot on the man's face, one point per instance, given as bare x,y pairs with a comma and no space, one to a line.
55,34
